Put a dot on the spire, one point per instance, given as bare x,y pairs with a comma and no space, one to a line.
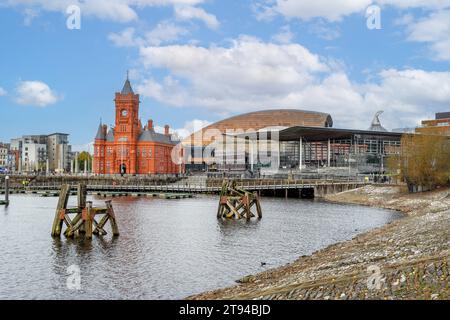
100,133
127,86
376,123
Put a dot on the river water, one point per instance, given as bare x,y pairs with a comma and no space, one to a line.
168,249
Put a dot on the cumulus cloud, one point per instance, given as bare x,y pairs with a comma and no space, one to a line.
337,9
115,10
190,13
3,92
189,128
125,38
164,32
35,93
435,31
284,36
251,75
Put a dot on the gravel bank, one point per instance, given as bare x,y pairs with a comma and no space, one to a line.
406,259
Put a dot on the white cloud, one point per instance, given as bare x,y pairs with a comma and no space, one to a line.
88,147
3,92
29,15
284,36
35,93
190,13
125,38
330,10
164,32
189,128
251,75
324,31
218,74
337,9
115,10
434,30
426,4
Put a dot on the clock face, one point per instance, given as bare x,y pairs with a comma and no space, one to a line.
124,113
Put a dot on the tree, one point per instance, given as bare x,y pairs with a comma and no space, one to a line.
82,158
424,161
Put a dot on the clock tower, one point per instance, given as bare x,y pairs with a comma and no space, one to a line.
130,148
127,128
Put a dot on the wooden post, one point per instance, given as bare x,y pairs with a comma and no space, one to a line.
7,190
62,205
99,226
81,198
82,192
258,206
112,219
248,212
221,203
88,217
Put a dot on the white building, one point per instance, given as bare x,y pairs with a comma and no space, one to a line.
4,151
34,156
59,152
42,153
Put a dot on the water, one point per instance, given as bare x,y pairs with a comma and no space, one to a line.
168,249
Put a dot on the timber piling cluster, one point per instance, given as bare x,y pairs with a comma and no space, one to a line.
84,221
237,203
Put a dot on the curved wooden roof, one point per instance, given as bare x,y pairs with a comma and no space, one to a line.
254,121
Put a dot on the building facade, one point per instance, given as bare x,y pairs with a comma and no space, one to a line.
41,153
441,124
130,148
58,152
4,152
297,141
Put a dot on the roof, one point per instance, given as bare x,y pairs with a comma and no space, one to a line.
127,88
323,134
110,135
58,134
151,136
100,134
442,115
258,120
376,123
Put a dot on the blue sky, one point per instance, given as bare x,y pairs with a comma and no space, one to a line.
198,61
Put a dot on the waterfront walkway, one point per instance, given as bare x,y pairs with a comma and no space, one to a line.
257,185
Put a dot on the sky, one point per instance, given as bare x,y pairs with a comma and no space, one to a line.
195,62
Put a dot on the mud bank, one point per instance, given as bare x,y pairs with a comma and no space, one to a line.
406,259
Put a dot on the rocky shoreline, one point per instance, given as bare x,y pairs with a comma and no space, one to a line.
406,259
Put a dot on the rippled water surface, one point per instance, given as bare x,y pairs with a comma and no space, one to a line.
167,249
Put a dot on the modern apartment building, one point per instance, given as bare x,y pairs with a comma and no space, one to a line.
58,151
35,153
4,151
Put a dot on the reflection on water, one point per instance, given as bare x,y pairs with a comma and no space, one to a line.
167,249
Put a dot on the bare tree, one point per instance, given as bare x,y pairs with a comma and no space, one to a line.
424,161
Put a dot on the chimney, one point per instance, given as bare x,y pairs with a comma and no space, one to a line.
150,125
166,130
105,129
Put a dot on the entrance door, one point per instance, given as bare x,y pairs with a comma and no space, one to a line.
123,169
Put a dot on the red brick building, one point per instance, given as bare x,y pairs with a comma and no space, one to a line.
130,148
